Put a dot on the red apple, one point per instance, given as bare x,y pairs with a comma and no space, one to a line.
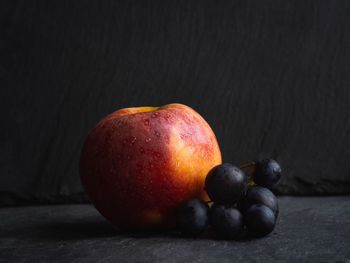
138,164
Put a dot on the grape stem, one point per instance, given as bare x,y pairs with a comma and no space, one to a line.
246,165
249,176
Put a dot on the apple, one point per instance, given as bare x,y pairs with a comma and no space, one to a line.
139,164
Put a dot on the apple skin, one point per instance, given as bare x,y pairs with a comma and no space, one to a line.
138,164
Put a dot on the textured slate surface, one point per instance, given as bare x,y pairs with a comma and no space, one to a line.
271,77
312,229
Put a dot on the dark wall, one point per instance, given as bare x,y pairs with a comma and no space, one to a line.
271,77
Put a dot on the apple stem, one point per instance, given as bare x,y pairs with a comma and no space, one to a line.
246,165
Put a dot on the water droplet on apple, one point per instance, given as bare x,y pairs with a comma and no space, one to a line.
167,117
142,150
157,134
125,141
133,140
166,138
158,154
146,122
155,115
148,139
128,157
140,168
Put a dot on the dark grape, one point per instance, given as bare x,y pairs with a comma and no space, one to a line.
267,173
192,217
226,184
259,220
259,195
227,222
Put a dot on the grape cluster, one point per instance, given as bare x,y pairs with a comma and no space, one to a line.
240,204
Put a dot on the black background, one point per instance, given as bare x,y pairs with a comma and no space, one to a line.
271,77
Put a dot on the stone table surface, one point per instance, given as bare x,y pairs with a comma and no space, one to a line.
309,229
